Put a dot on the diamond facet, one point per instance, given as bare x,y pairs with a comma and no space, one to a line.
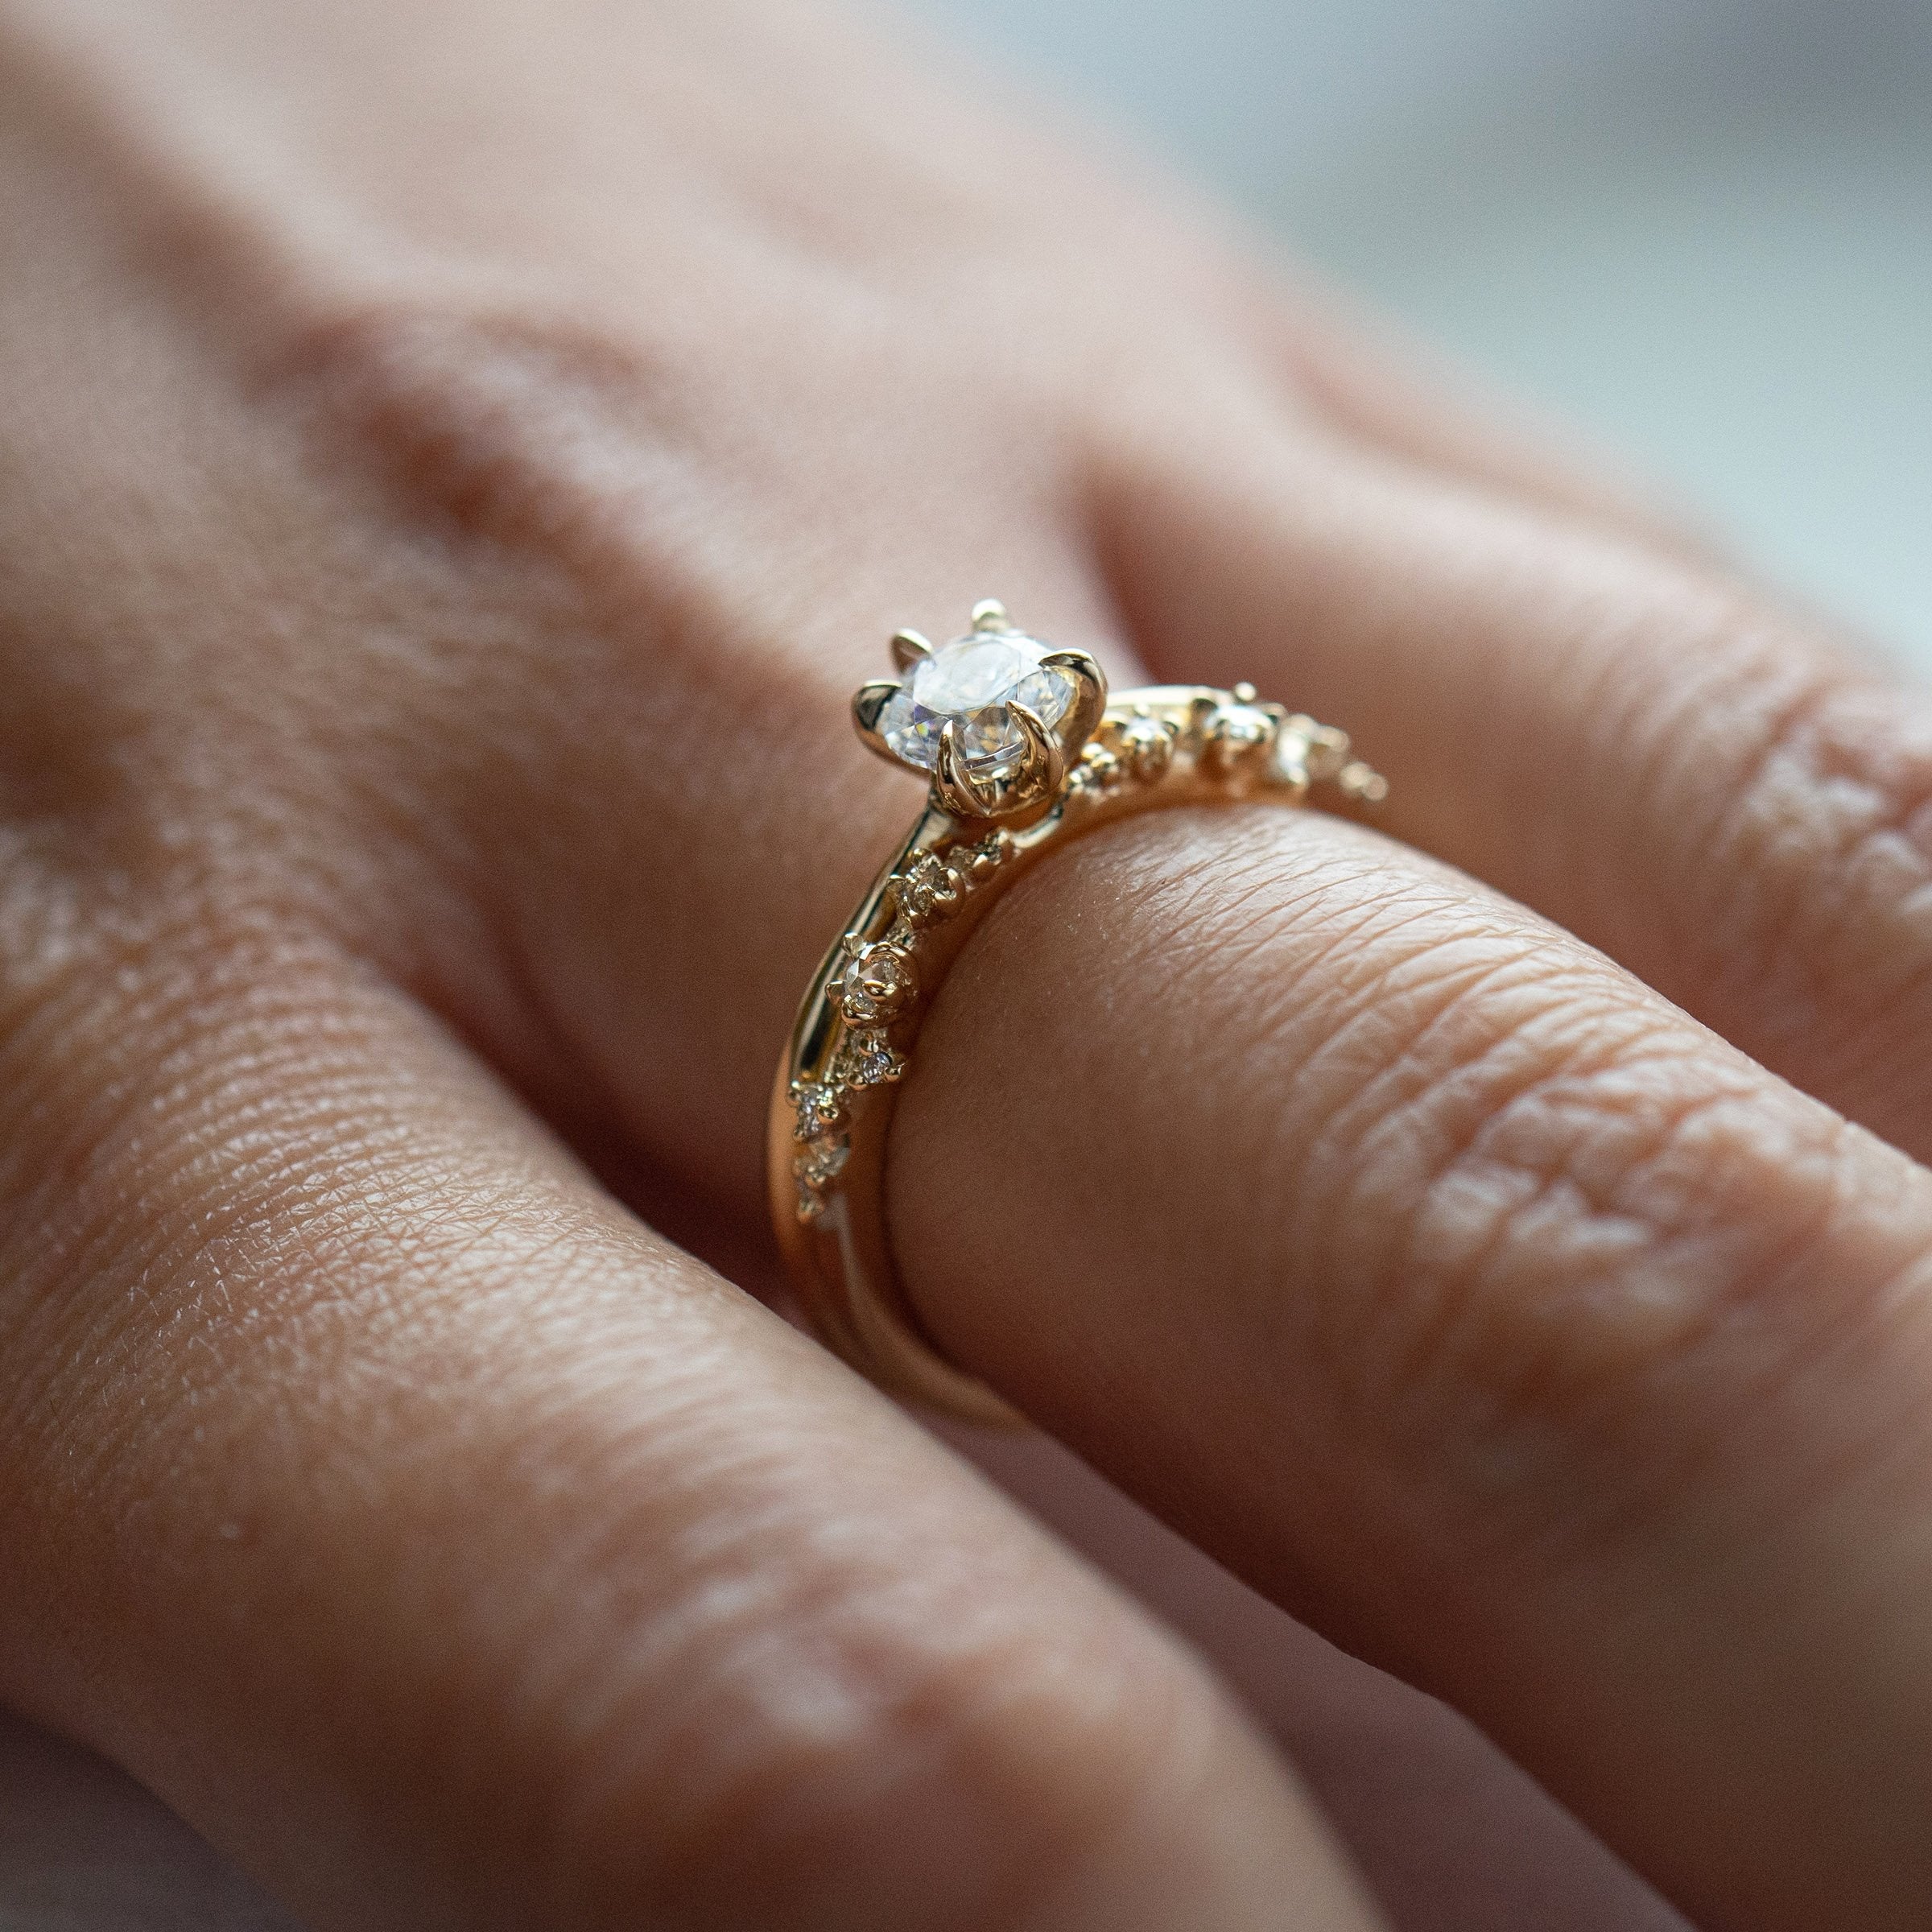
821,1162
927,890
970,682
878,983
1287,763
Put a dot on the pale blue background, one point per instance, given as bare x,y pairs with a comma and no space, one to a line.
1702,230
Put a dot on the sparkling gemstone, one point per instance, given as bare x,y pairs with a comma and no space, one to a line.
1098,769
875,984
814,1168
928,890
819,1107
871,1062
971,683
821,1162
1288,761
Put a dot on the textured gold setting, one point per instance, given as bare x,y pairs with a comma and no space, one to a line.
833,1101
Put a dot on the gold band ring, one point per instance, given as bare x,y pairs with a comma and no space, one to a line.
1024,750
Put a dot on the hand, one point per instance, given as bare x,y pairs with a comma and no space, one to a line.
457,462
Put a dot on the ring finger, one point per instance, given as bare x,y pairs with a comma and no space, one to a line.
1467,1296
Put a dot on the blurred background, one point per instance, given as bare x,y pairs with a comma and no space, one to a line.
1699,230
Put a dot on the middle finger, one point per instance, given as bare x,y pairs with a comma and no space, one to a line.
1717,791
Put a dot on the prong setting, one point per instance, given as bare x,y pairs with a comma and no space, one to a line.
993,720
1045,771
959,791
1236,736
867,701
1090,696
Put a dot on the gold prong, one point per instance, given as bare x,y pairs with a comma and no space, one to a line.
867,701
1044,771
1082,718
989,613
958,789
908,647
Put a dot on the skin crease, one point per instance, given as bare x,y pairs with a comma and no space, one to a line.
455,464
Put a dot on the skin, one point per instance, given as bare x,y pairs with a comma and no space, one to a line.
455,463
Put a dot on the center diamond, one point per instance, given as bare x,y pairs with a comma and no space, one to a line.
971,683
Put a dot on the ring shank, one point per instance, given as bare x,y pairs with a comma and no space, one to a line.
837,1088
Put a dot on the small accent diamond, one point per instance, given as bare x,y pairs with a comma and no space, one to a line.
820,1162
878,983
815,1167
820,1107
1099,771
1234,730
927,891
868,1060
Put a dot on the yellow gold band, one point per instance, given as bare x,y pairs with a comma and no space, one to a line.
1009,783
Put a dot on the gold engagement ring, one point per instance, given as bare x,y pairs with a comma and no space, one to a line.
1023,748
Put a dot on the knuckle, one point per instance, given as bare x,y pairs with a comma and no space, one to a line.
1580,1208
1503,1215
165,1097
814,1752
1827,841
49,935
509,426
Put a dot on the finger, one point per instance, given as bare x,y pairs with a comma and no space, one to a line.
658,802
82,1845
454,1554
466,512
553,645
1656,756
1451,1834
1459,1291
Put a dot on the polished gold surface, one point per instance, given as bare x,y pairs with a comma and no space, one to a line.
1105,758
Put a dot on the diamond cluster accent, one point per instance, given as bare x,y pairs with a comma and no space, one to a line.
878,984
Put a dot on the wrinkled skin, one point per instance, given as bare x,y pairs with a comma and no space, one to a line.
455,462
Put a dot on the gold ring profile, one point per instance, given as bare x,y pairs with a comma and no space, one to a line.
1023,748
